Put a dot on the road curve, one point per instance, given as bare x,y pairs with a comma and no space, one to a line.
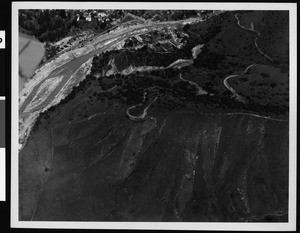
225,81
144,114
235,94
69,68
200,89
255,41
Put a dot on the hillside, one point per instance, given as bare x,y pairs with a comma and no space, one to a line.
173,166
159,132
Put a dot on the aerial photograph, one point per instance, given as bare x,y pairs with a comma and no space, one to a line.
153,115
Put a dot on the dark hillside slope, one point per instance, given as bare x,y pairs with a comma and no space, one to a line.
274,32
150,146
174,166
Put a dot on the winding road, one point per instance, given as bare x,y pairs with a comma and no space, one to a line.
200,89
108,42
225,81
66,69
235,94
255,41
144,114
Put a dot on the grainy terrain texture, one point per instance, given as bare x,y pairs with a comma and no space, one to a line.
182,122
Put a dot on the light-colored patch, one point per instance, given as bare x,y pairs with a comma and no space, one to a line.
25,127
181,63
63,41
43,73
200,91
162,126
43,92
130,69
196,50
113,69
78,76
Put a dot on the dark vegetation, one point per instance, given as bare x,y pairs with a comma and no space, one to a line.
208,71
264,86
168,15
274,39
47,25
50,51
53,25
198,168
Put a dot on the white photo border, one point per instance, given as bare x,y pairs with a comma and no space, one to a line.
289,226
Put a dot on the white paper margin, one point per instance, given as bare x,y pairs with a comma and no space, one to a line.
290,226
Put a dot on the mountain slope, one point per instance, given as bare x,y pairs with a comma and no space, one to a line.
174,166
149,146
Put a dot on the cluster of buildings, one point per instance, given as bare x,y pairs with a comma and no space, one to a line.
101,16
